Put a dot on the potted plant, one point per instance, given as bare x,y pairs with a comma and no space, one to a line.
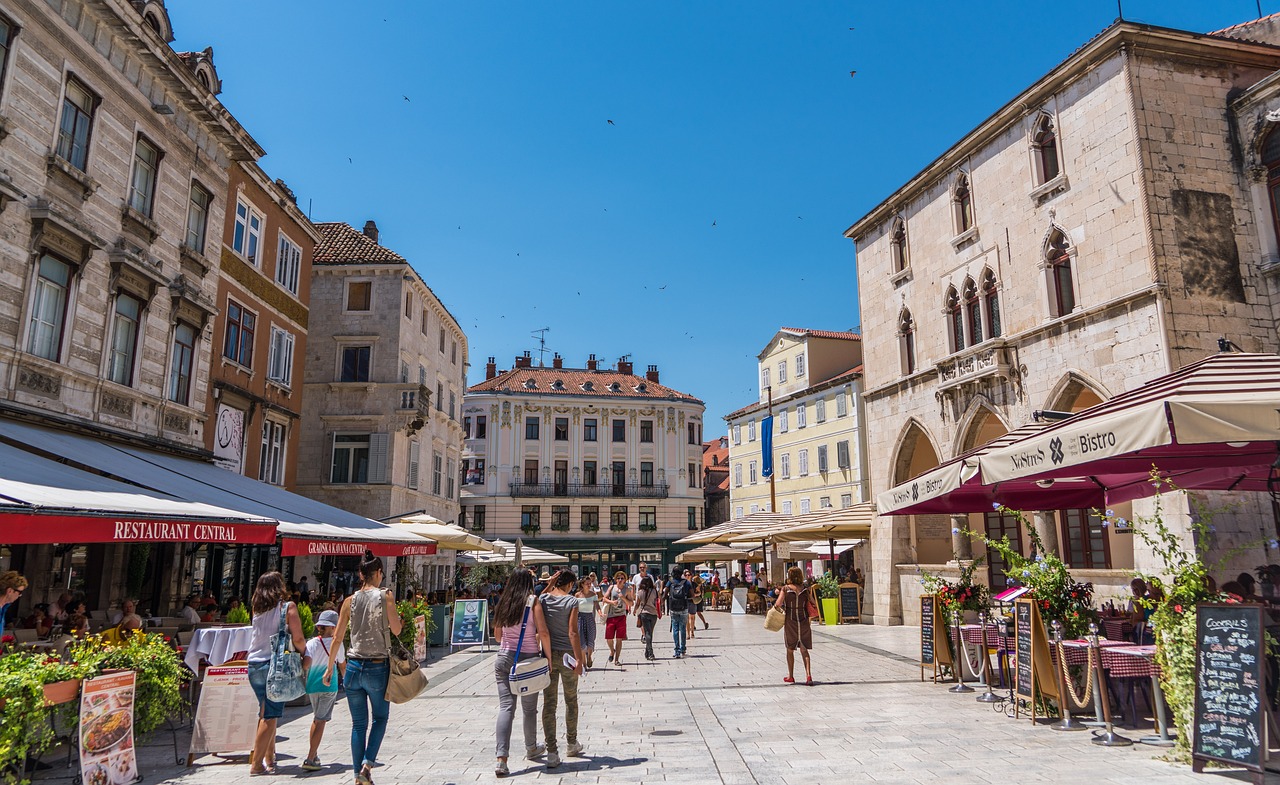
238,615
160,677
408,610
31,686
828,589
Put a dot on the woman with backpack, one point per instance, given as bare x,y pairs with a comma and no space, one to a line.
648,611
509,618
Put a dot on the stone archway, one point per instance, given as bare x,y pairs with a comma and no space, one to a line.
930,535
1075,393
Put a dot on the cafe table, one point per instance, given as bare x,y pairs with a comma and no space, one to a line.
1136,662
217,645
1117,628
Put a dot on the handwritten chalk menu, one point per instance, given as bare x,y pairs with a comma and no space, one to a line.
1230,700
227,714
928,603
850,602
1024,684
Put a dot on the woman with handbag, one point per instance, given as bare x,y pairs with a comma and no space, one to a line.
648,611
794,601
275,625
372,617
522,632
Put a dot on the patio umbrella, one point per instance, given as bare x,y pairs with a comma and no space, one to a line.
1211,426
739,529
504,552
829,525
446,536
715,553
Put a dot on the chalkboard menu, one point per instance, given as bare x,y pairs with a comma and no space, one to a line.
928,603
1231,716
1024,684
850,602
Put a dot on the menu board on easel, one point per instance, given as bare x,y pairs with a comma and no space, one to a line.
935,650
1233,724
1033,672
850,602
227,714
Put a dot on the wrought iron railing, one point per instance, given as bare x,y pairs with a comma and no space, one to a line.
584,490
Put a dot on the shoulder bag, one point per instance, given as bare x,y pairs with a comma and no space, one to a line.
406,680
775,619
532,675
284,673
812,605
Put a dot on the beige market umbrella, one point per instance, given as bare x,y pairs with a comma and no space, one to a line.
445,535
504,552
721,553
739,529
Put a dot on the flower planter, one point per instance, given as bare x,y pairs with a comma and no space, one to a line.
61,692
830,611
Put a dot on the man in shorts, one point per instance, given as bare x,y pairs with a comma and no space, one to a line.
617,603
322,697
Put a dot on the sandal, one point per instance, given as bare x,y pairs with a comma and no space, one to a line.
809,681
788,680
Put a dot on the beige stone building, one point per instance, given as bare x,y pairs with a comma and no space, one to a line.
1097,231
385,371
107,138
599,464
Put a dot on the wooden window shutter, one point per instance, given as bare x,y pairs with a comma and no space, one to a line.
413,465
378,443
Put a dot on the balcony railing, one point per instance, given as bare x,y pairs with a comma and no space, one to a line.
583,490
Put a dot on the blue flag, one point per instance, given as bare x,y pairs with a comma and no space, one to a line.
766,446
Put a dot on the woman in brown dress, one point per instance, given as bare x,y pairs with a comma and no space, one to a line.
793,601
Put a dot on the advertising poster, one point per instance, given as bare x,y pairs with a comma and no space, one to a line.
107,755
227,714
420,638
470,621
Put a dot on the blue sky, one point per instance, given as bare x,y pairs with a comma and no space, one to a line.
708,214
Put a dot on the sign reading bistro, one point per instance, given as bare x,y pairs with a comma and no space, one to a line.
21,528
299,547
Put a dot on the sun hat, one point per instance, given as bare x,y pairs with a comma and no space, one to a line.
327,619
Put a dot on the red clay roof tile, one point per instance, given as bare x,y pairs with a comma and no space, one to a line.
342,243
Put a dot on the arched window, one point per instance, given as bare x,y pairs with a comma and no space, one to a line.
962,204
973,312
1044,143
898,246
907,341
955,319
991,303
153,22
1058,259
1271,160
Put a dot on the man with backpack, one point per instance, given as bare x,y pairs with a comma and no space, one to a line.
677,593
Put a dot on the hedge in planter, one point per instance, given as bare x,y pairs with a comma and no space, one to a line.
160,677
25,730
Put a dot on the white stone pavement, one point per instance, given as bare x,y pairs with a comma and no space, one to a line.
721,715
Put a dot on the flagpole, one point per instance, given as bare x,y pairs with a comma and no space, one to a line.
773,494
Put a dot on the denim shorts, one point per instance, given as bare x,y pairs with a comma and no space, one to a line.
269,709
322,704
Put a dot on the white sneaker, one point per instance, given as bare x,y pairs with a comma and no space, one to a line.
536,751
553,760
575,751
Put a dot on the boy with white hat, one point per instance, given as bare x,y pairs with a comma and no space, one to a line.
322,697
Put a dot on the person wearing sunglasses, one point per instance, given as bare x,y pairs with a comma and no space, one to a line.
12,585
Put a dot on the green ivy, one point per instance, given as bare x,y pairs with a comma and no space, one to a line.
409,609
1061,599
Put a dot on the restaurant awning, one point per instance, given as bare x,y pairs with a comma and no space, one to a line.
446,536
308,527
43,501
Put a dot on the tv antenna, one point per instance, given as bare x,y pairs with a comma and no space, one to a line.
541,335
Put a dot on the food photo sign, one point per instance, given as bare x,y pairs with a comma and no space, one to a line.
107,754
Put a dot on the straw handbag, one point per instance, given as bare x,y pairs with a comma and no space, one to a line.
774,620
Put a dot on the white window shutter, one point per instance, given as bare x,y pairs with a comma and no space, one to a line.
378,443
413,465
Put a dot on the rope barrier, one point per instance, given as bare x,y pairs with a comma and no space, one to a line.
1069,682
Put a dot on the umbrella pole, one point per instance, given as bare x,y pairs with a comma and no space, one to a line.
831,543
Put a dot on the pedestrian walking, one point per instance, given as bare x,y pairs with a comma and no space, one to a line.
322,696
371,614
794,601
588,597
508,619
269,604
699,602
617,601
560,610
677,593
648,611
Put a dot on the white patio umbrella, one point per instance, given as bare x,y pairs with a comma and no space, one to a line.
446,536
504,552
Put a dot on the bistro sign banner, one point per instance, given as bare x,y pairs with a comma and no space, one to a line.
930,485
300,547
33,528
1071,444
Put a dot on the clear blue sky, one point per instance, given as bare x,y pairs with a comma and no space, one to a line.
476,134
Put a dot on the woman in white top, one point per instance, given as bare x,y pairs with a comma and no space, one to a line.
268,605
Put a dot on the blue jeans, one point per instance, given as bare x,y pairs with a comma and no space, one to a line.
367,681
679,629
267,709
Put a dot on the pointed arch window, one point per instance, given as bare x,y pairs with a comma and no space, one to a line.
955,319
991,303
1044,146
962,204
1271,160
898,246
973,312
1058,257
907,342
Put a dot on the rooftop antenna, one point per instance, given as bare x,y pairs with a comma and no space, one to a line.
1119,11
541,335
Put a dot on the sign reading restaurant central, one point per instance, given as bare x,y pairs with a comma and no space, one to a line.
166,531
26,528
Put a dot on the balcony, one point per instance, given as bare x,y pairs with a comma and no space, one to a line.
987,360
583,490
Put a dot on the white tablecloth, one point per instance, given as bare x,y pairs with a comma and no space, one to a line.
217,644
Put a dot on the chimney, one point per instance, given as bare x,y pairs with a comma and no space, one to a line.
490,369
524,361
371,230
624,365
557,361
652,374
592,363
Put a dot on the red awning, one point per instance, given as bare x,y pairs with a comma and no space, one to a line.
29,528
291,546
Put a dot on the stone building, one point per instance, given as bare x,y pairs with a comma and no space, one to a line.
599,464
1095,232
385,370
715,481
115,154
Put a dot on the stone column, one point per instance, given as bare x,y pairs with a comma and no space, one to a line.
890,546
1046,527
961,544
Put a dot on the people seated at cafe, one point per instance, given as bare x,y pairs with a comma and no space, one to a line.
58,611
1136,612
39,620
190,612
127,618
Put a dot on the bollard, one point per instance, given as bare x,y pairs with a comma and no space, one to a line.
1108,736
960,660
1066,721
987,696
